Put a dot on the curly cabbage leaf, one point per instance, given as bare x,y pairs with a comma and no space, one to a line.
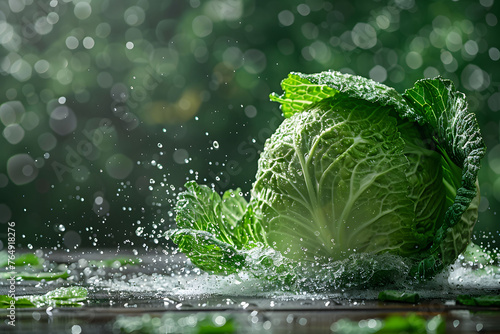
355,172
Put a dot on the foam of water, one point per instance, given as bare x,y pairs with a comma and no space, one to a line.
458,279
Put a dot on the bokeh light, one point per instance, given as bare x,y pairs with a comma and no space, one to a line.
21,169
91,88
119,166
63,120
82,10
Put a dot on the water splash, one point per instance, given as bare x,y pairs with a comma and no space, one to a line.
358,277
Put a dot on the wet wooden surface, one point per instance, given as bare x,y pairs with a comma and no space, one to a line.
250,314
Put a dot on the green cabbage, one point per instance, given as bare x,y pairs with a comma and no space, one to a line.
359,184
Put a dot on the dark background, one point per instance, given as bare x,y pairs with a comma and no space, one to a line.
108,107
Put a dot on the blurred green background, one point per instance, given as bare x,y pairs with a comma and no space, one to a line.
107,107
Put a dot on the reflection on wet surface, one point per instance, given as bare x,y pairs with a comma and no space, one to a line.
162,291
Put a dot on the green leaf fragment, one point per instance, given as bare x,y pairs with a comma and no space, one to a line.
6,302
411,323
35,276
208,326
346,326
399,296
201,323
485,300
70,293
19,260
70,296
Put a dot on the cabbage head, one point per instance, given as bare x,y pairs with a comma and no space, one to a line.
357,176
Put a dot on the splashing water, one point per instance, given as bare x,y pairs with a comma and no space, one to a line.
341,279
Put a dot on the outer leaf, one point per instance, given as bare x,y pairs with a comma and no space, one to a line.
442,111
200,208
207,252
302,90
233,207
214,231
249,230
